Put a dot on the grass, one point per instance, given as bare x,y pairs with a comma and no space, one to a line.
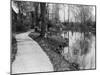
57,60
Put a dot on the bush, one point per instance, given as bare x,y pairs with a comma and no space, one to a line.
14,49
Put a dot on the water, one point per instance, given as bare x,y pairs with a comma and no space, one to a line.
86,61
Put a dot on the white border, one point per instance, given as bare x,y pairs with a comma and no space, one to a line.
5,36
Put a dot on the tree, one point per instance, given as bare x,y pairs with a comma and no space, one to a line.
24,21
43,16
80,13
84,13
56,12
35,13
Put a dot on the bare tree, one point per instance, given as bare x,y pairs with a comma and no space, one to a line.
56,12
36,14
84,13
80,13
43,16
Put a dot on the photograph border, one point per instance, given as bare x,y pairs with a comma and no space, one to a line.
51,71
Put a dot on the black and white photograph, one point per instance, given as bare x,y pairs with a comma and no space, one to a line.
52,37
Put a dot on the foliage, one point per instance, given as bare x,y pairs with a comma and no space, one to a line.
59,63
14,49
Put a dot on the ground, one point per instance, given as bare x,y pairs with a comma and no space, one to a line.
30,56
58,61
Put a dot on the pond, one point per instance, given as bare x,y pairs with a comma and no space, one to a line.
80,43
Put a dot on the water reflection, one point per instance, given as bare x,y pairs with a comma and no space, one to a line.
81,49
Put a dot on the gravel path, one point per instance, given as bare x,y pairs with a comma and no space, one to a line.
30,56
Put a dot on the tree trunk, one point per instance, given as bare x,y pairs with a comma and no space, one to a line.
36,14
32,16
43,18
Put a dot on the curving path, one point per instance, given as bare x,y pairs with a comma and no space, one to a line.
30,56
